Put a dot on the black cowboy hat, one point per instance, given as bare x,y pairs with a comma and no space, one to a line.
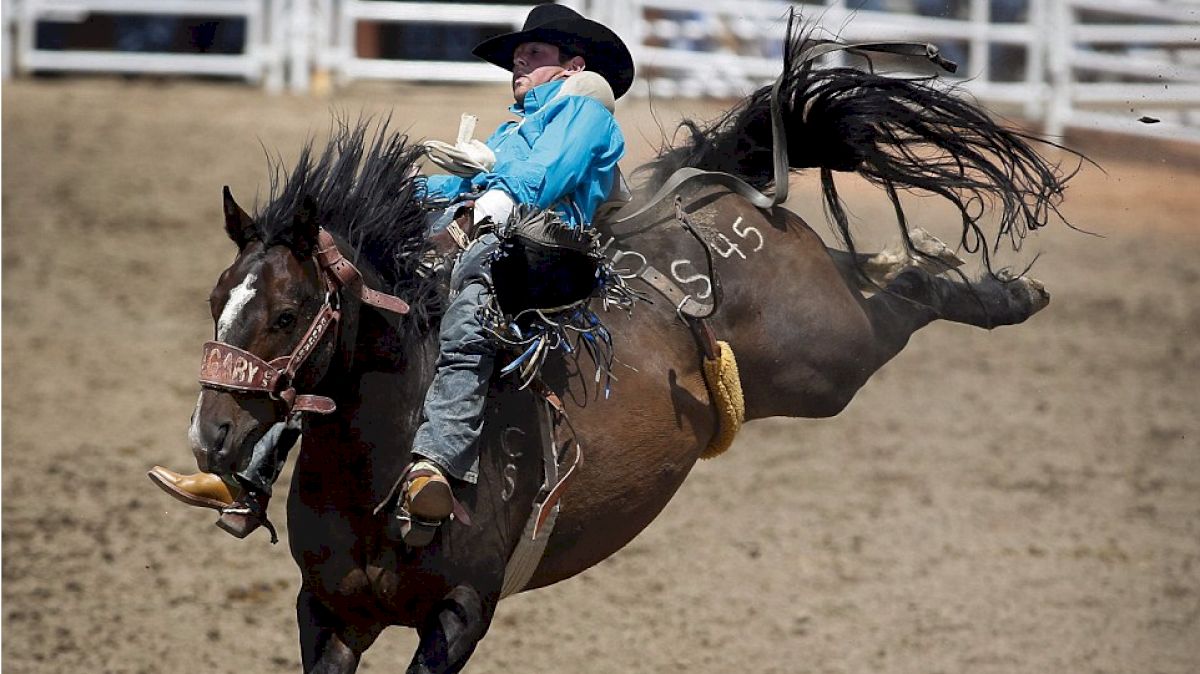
561,26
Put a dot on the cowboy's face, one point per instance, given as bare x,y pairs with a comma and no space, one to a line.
536,63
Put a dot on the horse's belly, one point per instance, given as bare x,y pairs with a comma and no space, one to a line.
638,447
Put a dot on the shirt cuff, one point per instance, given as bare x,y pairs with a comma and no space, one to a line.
495,204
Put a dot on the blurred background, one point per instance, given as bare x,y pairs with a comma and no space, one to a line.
1023,500
1065,64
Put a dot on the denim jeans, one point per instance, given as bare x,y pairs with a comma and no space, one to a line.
268,456
453,414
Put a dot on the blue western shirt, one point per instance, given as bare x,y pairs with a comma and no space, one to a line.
562,154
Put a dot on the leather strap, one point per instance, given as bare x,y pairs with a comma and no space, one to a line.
227,367
231,368
314,404
683,302
326,317
330,257
913,50
706,338
531,545
551,501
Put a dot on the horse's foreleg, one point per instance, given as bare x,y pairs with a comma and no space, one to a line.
451,633
327,645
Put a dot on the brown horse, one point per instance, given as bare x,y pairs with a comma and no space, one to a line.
806,339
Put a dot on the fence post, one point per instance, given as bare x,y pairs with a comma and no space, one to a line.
1059,37
1036,106
299,46
26,32
979,48
6,50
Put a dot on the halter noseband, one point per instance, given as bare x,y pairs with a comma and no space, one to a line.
229,368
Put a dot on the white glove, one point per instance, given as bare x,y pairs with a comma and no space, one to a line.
465,159
467,156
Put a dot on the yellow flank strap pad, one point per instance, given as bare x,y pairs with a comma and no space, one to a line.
725,388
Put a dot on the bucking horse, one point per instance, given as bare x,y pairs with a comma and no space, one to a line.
330,298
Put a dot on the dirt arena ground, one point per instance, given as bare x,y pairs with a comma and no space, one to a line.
1026,500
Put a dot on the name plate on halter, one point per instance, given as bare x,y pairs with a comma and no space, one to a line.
229,367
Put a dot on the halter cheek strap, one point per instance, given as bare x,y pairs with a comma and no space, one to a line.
230,368
347,276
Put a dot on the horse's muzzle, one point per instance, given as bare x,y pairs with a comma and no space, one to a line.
221,429
207,458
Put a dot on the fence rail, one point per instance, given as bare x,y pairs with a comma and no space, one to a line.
260,60
1086,64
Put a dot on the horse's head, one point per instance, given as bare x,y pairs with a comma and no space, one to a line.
267,308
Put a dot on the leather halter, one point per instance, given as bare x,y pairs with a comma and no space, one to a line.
230,368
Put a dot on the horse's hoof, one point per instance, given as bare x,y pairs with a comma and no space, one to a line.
933,247
1036,291
934,257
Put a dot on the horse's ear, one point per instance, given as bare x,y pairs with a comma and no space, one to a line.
238,225
305,229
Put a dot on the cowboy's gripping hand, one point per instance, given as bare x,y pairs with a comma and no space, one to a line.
451,231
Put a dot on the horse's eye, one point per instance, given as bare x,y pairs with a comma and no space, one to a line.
285,320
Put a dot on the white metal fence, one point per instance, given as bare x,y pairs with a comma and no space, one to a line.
335,50
260,60
1129,66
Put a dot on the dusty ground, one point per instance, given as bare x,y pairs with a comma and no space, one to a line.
1020,501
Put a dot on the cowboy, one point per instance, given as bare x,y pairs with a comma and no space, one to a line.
561,155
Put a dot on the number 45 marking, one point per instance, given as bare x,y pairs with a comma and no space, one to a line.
726,248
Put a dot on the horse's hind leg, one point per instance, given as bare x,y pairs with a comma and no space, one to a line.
451,633
986,303
327,645
916,298
872,271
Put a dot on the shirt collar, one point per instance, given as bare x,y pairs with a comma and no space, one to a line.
537,97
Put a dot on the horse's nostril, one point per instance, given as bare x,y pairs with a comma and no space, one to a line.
222,435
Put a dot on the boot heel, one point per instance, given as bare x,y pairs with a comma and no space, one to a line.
414,533
237,524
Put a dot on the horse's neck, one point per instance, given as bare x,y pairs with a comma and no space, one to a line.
360,449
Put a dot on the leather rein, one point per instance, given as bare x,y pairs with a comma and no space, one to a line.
226,367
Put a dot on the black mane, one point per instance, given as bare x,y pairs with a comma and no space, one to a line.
366,192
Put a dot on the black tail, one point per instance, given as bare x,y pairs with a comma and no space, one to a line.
901,134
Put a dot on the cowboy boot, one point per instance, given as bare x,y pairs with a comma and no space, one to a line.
428,496
243,500
203,490
239,515
428,501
